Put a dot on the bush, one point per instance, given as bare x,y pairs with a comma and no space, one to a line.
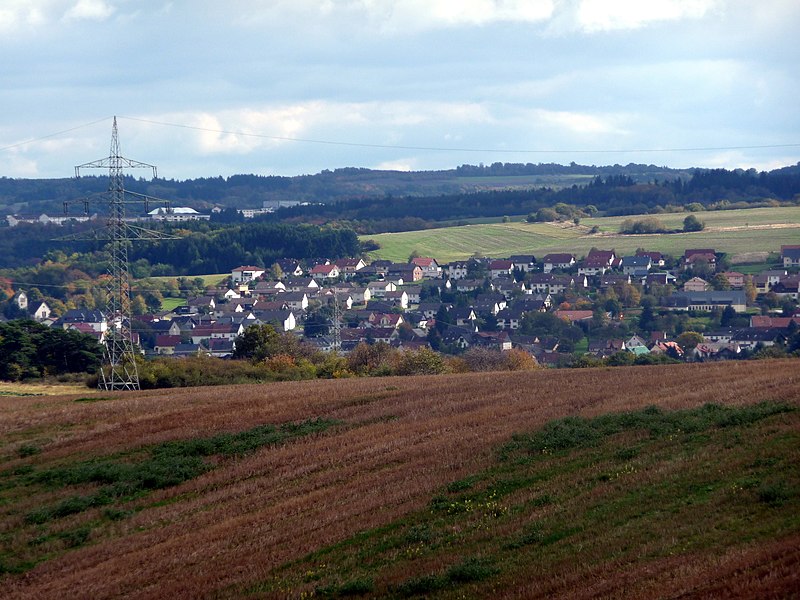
692,223
645,225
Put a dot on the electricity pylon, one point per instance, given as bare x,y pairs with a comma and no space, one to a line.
119,371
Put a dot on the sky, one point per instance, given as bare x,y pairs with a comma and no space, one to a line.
205,88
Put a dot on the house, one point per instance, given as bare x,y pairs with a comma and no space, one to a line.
664,278
606,348
556,284
20,299
165,344
456,270
360,295
696,284
790,255
284,319
414,292
306,284
297,301
706,301
748,338
404,272
699,256
715,351
656,258
458,337
469,285
378,289
636,265
735,279
593,265
41,311
558,261
523,262
349,266
269,287
398,298
245,274
462,316
94,318
637,345
511,317
320,272
430,268
766,322
667,347
290,267
612,279
496,340
202,303
166,327
384,320
228,331
221,348
500,268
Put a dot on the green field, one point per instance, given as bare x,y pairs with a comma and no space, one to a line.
213,279
756,230
172,303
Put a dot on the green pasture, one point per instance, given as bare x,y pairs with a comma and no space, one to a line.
753,234
748,217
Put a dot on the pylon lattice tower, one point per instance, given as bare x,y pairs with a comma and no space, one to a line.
119,370
336,325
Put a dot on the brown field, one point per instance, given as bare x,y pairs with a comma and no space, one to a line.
401,440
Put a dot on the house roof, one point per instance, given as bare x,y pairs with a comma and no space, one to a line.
246,268
558,258
424,261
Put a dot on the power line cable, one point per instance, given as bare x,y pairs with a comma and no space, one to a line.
51,135
413,147
456,149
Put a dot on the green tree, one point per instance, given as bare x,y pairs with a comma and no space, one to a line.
692,223
689,340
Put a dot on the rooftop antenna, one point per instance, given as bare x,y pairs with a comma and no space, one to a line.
119,370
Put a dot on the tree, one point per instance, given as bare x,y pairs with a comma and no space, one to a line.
692,223
689,340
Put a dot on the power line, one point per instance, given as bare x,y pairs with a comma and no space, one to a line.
51,135
455,149
413,147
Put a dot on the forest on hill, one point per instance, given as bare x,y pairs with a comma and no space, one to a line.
466,191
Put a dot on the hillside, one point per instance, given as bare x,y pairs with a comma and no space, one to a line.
731,231
378,488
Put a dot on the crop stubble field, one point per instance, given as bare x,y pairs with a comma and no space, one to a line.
418,456
731,231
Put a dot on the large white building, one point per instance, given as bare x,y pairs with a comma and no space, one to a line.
177,213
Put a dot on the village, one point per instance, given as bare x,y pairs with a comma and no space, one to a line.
557,307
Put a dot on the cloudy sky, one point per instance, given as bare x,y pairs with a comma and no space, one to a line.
399,84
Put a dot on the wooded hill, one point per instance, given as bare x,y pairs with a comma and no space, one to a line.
633,184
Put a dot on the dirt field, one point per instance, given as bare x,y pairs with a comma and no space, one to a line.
399,441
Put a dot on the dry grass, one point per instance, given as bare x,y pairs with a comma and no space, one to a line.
404,440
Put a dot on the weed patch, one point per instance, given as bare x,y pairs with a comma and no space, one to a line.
108,481
578,492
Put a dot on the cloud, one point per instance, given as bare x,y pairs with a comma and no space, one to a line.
20,13
396,165
581,123
607,15
397,16
89,10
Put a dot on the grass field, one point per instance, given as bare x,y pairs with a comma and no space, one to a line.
736,232
172,303
545,484
212,279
